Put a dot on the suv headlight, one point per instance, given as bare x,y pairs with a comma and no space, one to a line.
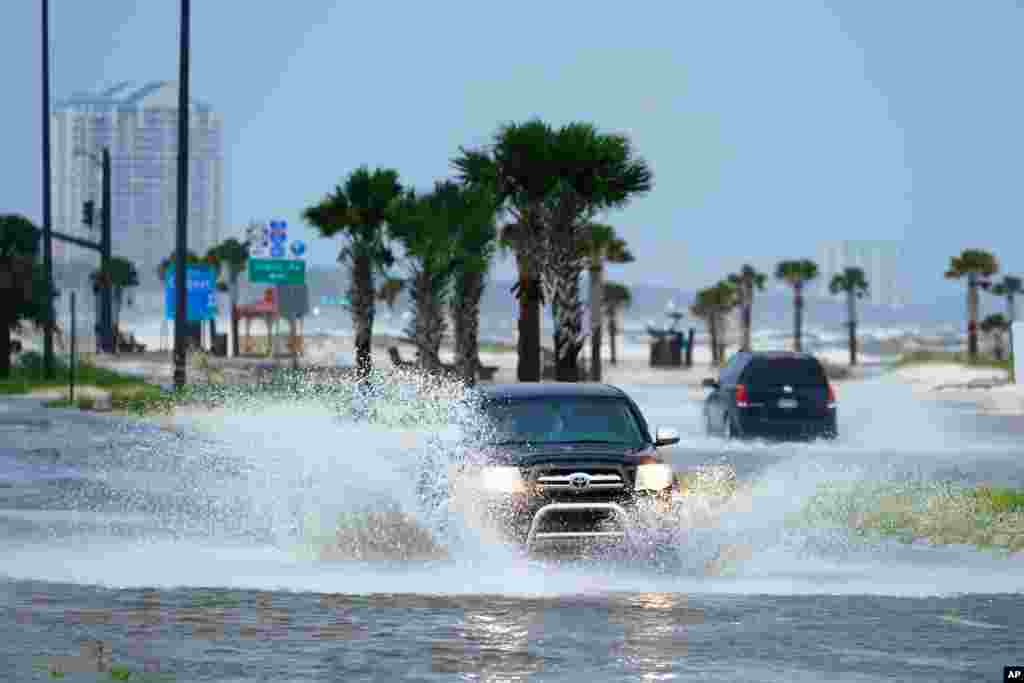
502,480
653,477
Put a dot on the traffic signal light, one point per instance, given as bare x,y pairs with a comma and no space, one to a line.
87,212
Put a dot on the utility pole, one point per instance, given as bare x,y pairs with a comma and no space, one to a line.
106,301
49,369
180,294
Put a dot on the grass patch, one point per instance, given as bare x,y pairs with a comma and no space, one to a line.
953,357
940,513
27,375
706,481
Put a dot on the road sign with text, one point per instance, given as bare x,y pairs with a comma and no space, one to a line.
277,271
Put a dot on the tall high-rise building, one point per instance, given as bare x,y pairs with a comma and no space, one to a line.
139,125
877,258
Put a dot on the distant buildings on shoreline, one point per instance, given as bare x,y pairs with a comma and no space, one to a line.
139,125
879,259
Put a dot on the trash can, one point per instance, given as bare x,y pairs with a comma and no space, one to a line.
220,345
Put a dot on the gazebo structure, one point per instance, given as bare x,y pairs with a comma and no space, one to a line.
265,310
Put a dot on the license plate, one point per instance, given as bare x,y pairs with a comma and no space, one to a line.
787,403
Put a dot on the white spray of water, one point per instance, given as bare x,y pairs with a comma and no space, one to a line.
310,472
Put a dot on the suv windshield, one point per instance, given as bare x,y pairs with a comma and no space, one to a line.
774,371
563,420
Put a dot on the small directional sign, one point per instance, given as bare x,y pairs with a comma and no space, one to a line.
275,271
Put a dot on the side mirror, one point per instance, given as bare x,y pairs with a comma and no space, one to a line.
709,383
666,436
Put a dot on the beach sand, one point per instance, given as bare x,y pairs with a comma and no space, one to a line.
986,388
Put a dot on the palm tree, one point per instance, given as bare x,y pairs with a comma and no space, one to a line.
476,245
995,326
854,285
747,281
422,224
595,172
1010,286
977,266
711,306
358,211
520,173
23,283
233,255
120,275
616,297
601,245
797,274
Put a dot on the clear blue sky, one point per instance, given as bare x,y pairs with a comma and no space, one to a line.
770,125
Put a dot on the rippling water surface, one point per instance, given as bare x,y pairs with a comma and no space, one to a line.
289,542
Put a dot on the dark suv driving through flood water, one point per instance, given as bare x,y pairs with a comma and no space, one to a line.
773,395
564,463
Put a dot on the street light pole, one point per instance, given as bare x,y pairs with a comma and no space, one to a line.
49,369
180,294
106,301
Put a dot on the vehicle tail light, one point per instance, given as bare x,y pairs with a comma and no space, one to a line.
742,400
831,396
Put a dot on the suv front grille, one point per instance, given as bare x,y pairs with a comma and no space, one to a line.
557,480
597,482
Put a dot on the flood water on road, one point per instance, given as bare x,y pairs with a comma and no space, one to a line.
210,551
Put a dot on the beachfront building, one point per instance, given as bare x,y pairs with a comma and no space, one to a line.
877,258
139,124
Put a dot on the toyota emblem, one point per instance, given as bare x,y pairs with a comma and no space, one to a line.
579,481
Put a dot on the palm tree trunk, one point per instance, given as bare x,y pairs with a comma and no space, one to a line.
529,295
427,325
972,317
713,332
361,295
613,333
467,325
596,312
5,345
748,306
117,295
567,311
234,314
851,316
798,317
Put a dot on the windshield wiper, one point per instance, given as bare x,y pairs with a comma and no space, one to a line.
594,441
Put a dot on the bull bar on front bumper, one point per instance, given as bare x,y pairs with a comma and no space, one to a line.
534,535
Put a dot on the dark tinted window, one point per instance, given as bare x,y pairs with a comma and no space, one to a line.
794,371
730,374
563,420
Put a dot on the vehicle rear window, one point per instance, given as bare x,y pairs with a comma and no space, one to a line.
793,371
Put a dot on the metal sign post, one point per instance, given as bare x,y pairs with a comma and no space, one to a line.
1017,359
71,362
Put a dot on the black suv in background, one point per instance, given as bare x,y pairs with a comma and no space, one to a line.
774,395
